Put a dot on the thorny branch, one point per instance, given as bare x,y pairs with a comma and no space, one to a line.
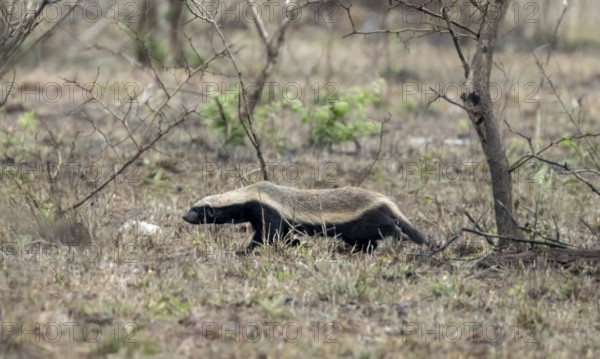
593,154
141,149
245,112
565,166
424,31
131,160
422,8
15,27
587,137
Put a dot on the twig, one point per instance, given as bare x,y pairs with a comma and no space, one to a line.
423,9
93,97
556,229
445,245
426,31
542,69
477,6
446,98
395,32
508,213
476,262
29,195
555,33
367,171
476,224
565,166
538,233
12,85
590,228
260,26
456,44
26,25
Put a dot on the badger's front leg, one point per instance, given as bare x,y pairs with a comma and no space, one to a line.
261,232
257,241
267,232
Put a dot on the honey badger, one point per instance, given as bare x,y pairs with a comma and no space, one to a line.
357,216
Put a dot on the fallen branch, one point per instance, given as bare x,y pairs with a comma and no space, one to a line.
520,240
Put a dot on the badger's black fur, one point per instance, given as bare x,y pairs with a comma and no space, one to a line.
359,217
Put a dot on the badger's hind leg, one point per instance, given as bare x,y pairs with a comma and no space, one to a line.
285,234
286,237
408,233
363,246
399,236
368,246
292,241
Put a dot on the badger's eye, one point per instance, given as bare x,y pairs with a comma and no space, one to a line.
209,211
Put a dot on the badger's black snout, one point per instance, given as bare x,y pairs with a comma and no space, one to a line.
192,216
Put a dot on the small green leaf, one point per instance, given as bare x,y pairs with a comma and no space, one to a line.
340,108
567,143
463,124
28,121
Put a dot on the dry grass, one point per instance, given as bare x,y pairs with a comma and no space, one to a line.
74,285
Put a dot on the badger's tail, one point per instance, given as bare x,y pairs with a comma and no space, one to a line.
411,232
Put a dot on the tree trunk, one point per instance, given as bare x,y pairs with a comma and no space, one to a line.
479,106
176,7
147,24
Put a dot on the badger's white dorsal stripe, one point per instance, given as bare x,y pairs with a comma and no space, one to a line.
336,205
357,215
